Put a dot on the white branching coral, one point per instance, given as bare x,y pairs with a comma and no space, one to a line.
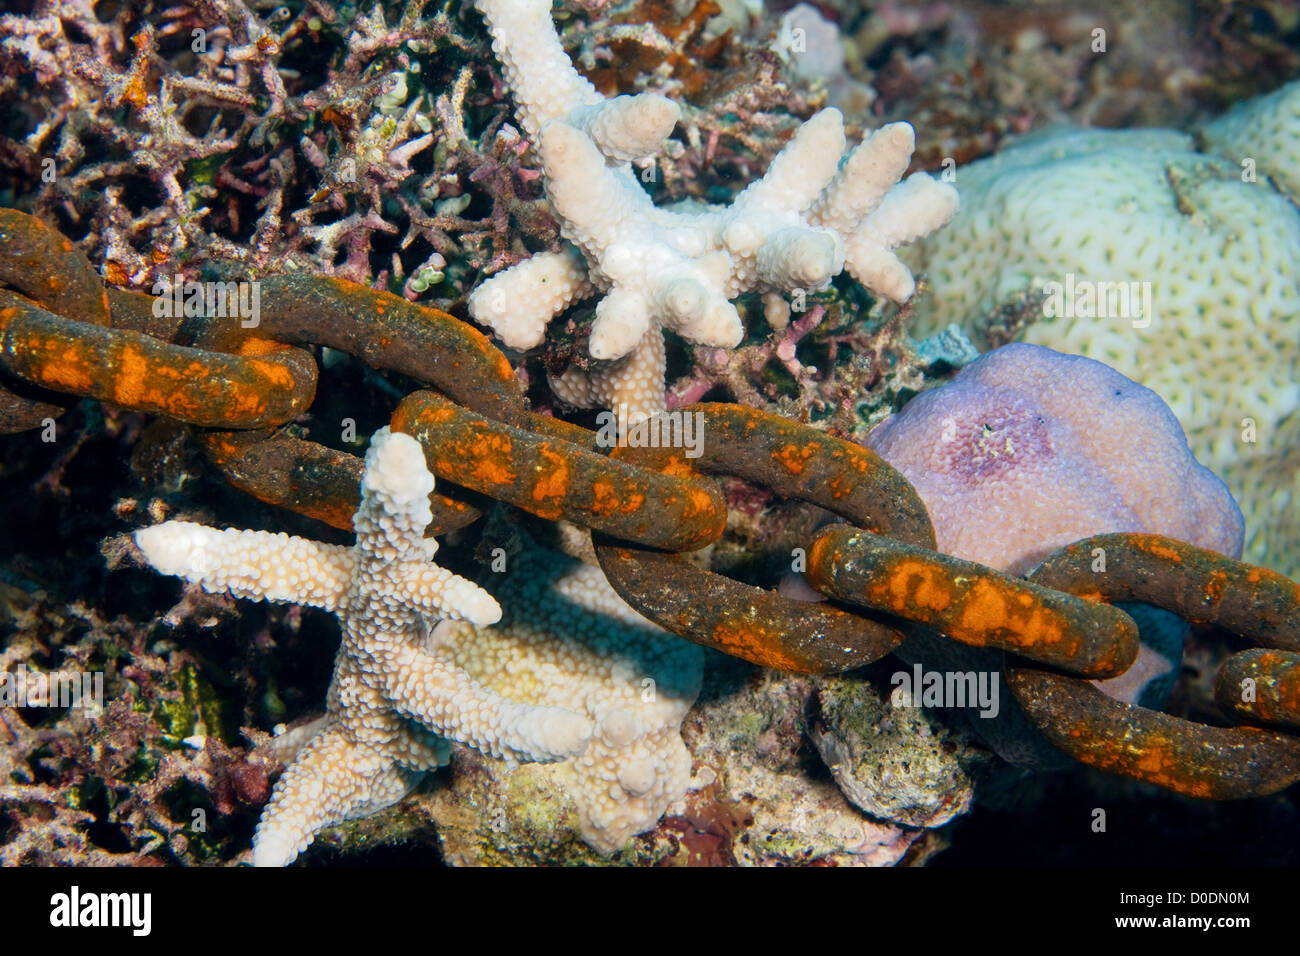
810,217
391,702
568,640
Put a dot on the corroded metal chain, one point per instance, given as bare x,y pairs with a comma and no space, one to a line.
61,332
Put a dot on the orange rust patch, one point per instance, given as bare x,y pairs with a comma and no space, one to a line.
1153,761
1041,628
793,457
131,383
1215,585
552,483
71,373
488,457
753,644
1288,692
916,584
1157,763
221,448
984,609
819,559
426,416
675,466
255,346
1171,555
336,515
604,498
842,484
700,502
139,379
244,402
275,374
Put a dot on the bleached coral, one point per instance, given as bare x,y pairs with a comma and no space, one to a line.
1208,264
391,702
807,219
1265,132
815,50
568,641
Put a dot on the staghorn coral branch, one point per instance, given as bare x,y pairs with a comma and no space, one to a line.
658,268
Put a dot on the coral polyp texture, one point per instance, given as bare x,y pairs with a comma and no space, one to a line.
1179,268
1012,466
814,214
392,704
1263,132
567,640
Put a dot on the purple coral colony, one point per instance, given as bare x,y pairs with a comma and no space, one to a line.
660,432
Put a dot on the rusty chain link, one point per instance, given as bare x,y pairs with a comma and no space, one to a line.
61,332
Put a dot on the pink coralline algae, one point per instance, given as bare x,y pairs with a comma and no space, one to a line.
1028,449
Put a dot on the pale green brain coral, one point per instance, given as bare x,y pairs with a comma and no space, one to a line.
1221,254
1265,130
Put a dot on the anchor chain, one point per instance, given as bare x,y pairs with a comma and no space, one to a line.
63,333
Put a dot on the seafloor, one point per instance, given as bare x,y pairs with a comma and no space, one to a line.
194,681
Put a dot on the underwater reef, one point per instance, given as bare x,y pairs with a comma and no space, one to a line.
649,432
